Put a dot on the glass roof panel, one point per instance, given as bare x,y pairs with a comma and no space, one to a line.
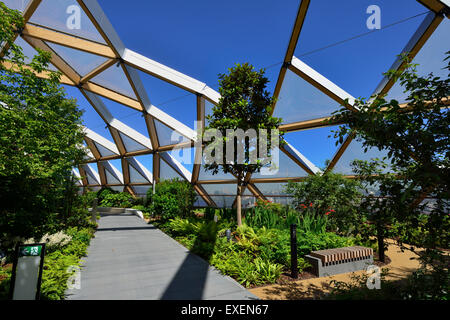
176,102
29,52
186,156
91,179
131,144
285,168
300,100
200,202
66,16
207,175
110,179
117,188
135,176
224,201
272,189
104,152
168,136
166,172
146,160
355,151
16,4
82,62
141,191
314,144
429,59
220,189
131,117
115,79
336,41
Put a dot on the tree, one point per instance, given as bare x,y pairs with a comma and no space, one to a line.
172,198
417,139
330,191
40,139
244,107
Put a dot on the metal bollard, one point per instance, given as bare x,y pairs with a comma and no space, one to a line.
228,234
294,260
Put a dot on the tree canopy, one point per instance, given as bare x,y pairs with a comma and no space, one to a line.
40,139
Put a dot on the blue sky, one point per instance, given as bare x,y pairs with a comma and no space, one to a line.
203,38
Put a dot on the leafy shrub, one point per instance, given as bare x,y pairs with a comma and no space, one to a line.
262,216
103,192
330,191
121,200
172,198
56,264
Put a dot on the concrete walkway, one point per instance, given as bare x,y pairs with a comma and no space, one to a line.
130,259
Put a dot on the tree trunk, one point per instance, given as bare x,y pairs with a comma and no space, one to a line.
380,238
239,203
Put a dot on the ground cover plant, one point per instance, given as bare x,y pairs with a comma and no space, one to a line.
256,254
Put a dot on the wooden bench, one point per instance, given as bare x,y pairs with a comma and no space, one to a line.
340,260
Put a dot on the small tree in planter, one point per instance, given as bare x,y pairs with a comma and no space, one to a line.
245,105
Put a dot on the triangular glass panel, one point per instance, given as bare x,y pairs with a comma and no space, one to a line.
429,59
110,179
91,119
29,52
117,188
90,178
166,172
135,176
207,175
307,142
132,118
104,152
20,5
220,189
131,144
272,189
224,201
141,191
200,202
185,156
66,16
299,100
285,168
115,79
168,136
176,102
82,62
351,54
355,151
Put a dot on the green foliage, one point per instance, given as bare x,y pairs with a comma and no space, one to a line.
103,192
56,263
172,198
40,135
417,140
333,194
255,256
244,104
118,200
262,216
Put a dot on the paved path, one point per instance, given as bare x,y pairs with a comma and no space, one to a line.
130,259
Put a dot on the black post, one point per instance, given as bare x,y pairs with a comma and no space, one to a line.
294,263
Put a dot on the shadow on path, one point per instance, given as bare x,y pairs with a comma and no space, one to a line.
190,280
